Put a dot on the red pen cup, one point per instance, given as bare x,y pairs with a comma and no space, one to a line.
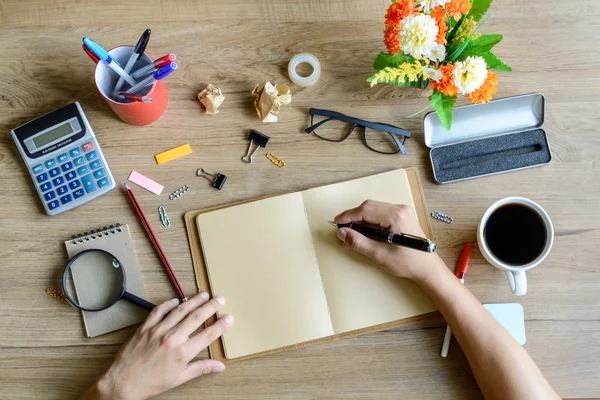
131,112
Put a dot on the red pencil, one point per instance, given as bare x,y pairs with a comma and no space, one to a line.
154,240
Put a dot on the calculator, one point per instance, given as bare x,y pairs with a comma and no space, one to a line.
64,159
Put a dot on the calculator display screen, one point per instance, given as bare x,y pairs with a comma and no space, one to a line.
53,134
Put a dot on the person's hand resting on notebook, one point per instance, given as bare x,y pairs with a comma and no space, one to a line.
159,356
397,260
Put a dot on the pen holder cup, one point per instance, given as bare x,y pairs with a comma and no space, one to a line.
131,112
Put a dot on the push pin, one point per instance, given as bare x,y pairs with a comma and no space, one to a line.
257,138
217,180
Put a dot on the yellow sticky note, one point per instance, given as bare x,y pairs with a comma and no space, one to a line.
173,154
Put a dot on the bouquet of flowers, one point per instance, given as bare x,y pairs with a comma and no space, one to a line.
436,42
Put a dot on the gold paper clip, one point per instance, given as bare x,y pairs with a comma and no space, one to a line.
275,160
57,294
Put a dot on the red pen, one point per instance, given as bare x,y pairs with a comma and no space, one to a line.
461,272
90,53
134,97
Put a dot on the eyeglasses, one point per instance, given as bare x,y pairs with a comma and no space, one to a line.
337,127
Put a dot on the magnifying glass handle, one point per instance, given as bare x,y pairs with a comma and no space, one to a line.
138,301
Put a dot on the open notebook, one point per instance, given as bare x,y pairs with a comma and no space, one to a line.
285,276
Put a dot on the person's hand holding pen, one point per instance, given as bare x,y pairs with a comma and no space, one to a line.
397,260
160,355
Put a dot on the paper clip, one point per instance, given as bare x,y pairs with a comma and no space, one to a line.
179,192
57,294
164,218
257,138
440,216
217,180
275,160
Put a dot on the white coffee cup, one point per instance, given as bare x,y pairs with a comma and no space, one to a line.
515,273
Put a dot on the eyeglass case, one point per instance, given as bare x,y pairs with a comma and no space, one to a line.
485,139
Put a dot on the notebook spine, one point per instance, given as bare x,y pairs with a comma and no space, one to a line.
94,234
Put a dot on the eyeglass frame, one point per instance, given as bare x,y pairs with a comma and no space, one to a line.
329,115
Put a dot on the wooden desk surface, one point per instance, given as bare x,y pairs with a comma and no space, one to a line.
236,44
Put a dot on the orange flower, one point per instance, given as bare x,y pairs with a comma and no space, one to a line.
396,12
486,90
439,15
446,84
456,8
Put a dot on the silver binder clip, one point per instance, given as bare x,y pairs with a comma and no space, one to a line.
255,138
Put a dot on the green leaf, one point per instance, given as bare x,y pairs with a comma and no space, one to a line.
454,30
460,49
485,42
443,106
391,60
479,8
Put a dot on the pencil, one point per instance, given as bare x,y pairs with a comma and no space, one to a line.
155,243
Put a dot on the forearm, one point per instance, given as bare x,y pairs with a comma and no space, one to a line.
502,368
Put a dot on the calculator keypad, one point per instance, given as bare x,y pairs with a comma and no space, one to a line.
71,175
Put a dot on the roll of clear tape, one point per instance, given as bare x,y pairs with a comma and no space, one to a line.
302,59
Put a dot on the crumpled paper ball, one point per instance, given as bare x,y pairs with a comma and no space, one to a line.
269,100
211,98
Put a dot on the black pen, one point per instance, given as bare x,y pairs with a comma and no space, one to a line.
137,53
400,239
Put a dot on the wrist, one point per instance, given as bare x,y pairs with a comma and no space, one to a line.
107,388
428,269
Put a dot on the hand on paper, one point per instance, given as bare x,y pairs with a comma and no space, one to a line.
159,356
397,260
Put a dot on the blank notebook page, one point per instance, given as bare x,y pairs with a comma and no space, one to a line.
260,257
358,292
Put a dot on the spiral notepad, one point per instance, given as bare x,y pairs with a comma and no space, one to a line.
117,241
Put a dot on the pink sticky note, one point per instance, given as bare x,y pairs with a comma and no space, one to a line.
146,183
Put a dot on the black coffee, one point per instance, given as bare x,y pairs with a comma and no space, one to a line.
515,234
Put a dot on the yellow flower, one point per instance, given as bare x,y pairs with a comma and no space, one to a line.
410,72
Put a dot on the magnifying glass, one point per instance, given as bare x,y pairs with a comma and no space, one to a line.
100,280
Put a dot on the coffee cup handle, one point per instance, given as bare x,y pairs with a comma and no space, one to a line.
517,282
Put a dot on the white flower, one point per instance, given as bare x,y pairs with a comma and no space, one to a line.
436,53
470,74
428,5
433,74
418,34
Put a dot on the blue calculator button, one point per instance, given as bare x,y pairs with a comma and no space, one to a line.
83,170
42,177
74,184
67,166
103,182
58,181
66,199
95,164
53,204
76,152
70,175
49,196
38,168
89,184
78,193
62,190
54,172
50,163
46,186
100,173
91,156
63,157
79,161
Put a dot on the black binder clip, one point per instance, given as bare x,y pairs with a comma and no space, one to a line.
257,138
217,180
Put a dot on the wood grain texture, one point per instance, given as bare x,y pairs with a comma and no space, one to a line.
237,44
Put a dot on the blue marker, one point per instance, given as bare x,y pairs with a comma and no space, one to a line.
104,56
156,76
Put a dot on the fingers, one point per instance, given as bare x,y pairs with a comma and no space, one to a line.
182,310
372,212
199,368
158,313
198,316
199,342
360,243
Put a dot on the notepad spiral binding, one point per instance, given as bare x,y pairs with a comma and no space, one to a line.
95,234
